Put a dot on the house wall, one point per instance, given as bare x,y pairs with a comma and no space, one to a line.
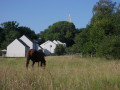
26,49
15,49
27,41
36,46
48,47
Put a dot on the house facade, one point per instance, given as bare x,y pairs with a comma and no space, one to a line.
19,47
49,46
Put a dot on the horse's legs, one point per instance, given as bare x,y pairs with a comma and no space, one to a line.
27,63
38,64
43,63
33,63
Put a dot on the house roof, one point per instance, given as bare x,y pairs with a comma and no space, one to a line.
54,42
40,47
23,43
47,42
4,50
28,38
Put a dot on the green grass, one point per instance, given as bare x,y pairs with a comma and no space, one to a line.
61,73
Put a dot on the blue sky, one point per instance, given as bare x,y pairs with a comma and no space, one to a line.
39,14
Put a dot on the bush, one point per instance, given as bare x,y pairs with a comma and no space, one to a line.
59,50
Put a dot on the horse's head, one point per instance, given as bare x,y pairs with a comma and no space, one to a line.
43,64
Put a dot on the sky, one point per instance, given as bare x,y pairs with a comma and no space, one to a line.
38,15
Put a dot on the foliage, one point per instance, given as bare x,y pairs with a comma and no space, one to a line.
104,8
60,49
101,36
109,47
10,30
80,39
63,31
27,31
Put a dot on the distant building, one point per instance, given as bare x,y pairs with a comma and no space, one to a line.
49,46
69,18
3,53
19,47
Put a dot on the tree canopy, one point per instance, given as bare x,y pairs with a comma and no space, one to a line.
101,36
10,30
62,30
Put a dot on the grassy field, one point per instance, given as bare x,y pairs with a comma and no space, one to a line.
61,73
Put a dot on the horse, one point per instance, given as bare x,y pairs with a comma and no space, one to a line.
35,56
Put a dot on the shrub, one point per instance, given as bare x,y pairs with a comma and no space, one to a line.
59,50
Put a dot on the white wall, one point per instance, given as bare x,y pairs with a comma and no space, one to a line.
15,49
48,47
36,46
26,49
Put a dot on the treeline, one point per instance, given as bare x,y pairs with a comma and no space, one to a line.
100,38
11,30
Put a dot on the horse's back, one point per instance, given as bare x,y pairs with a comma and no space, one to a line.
34,55
30,53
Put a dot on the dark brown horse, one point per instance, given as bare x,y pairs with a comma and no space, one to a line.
36,56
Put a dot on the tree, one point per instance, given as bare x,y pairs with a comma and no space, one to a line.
2,37
101,36
59,50
80,40
101,24
27,31
62,30
9,26
104,8
109,47
10,30
117,21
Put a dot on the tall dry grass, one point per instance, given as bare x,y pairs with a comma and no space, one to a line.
61,73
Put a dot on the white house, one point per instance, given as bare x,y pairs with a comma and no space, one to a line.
19,47
49,46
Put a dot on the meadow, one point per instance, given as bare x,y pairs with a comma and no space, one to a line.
61,73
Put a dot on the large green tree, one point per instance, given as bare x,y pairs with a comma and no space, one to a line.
27,31
102,23
10,30
103,32
62,30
